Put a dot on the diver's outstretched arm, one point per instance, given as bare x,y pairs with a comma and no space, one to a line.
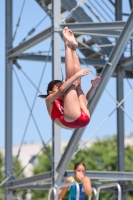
95,82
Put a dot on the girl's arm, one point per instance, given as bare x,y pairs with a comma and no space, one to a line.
65,189
53,96
90,93
86,183
95,82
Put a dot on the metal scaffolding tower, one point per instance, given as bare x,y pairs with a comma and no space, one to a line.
108,60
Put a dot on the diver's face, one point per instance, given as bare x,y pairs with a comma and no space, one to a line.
56,89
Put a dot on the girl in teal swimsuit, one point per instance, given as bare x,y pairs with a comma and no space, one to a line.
83,181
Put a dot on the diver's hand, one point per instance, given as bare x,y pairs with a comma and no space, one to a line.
95,82
83,72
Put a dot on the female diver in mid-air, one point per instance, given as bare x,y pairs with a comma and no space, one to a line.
65,101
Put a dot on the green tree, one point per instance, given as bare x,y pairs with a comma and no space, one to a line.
17,170
44,165
18,173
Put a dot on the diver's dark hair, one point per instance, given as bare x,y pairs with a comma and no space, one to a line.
79,163
50,87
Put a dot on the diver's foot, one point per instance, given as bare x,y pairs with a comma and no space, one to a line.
75,44
69,38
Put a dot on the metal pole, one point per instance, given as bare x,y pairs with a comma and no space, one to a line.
120,96
120,113
8,98
56,61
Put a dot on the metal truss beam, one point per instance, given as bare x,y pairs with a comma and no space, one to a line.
27,181
94,175
42,58
43,5
91,26
131,4
8,96
30,43
81,16
110,34
32,187
105,175
128,187
66,157
127,62
56,61
120,96
75,27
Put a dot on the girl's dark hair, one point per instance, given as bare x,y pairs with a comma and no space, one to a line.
50,87
79,163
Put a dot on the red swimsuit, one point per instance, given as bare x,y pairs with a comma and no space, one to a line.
57,112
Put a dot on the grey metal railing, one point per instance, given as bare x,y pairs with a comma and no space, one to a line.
50,192
109,186
65,185
95,193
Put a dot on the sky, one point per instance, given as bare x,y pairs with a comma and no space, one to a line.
21,111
